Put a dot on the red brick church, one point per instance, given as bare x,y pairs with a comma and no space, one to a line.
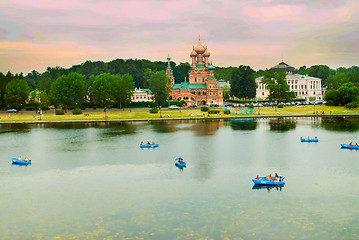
202,87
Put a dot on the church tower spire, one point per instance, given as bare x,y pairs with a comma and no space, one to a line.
169,71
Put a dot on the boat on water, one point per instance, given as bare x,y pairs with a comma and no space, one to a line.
149,145
21,161
268,182
349,146
309,139
180,164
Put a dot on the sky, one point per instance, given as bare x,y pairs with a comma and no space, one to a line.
35,34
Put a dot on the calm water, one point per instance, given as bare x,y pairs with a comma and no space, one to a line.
92,181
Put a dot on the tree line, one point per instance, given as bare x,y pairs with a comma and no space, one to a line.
85,83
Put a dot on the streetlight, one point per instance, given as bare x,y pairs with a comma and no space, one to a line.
105,112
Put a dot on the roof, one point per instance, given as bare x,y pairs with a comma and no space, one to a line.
294,77
283,66
187,85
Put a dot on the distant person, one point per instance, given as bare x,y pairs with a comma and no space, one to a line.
257,177
315,137
148,143
350,144
20,158
276,175
26,160
356,144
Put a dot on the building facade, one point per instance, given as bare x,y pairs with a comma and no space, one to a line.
202,87
142,95
304,86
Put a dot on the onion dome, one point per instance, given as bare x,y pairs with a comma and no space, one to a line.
168,58
199,48
206,53
211,67
193,53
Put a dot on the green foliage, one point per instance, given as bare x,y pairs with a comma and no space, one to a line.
204,109
243,84
227,112
76,111
124,88
59,112
142,104
180,72
159,85
277,86
154,110
331,96
351,105
68,90
213,111
103,89
16,93
348,93
280,106
312,98
250,105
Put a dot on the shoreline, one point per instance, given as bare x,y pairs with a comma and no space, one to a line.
183,118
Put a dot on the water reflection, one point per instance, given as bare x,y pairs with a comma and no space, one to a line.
269,188
282,125
348,124
244,124
13,128
120,129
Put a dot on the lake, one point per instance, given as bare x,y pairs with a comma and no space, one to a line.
92,181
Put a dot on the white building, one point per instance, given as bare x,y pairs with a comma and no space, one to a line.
142,95
304,86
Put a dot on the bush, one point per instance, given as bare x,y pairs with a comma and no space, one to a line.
154,110
204,109
250,105
76,111
59,112
227,112
280,106
330,103
213,111
351,105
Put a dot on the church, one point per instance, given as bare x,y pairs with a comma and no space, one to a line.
202,87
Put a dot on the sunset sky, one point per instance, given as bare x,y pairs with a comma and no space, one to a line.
35,34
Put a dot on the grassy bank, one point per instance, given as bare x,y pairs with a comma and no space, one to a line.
116,114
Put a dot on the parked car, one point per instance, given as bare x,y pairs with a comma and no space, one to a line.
214,105
229,105
192,106
173,107
11,110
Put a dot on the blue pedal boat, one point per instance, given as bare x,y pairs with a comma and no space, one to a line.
349,147
180,165
309,140
267,182
20,162
149,146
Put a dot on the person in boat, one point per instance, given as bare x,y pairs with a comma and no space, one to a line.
20,158
180,160
26,160
316,137
301,138
356,144
148,143
280,179
141,143
276,175
153,143
257,177
308,138
350,144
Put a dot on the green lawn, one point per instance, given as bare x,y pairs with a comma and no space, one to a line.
115,114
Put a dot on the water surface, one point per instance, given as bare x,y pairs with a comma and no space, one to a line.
92,181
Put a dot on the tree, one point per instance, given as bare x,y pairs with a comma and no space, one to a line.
226,91
160,87
277,86
243,82
348,93
16,93
331,96
124,89
103,89
335,81
69,90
